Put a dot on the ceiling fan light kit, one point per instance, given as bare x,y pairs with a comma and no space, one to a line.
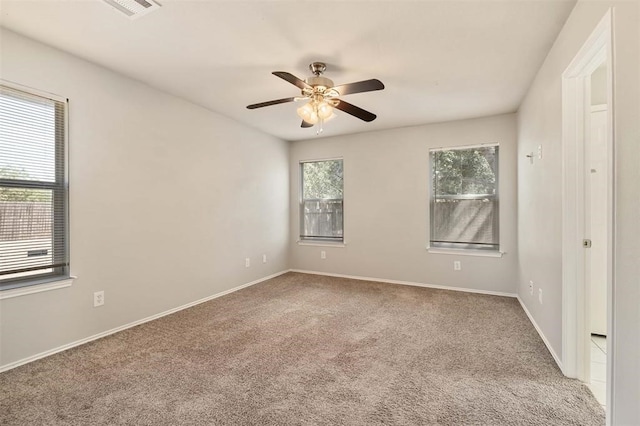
322,96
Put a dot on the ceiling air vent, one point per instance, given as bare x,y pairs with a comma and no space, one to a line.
134,8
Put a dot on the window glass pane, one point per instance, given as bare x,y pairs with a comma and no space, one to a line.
322,180
27,137
464,205
465,172
464,221
321,209
26,230
322,218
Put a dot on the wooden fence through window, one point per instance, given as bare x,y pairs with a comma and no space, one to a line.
23,220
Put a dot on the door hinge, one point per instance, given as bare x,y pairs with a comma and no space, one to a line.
586,243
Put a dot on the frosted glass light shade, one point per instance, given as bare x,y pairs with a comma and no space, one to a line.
308,113
324,110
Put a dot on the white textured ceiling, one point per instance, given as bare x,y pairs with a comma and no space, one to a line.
439,60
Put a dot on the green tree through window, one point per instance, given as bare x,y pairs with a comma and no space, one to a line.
470,171
20,194
322,180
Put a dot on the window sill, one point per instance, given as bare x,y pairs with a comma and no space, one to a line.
54,284
321,243
469,252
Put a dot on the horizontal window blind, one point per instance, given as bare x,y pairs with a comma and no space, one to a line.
33,195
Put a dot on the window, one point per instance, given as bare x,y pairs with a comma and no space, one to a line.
464,198
321,207
33,195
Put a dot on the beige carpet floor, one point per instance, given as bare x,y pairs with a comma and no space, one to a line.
310,350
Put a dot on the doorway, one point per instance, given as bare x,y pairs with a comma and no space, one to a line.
596,195
588,215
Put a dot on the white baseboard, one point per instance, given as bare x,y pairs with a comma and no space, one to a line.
131,324
544,338
382,280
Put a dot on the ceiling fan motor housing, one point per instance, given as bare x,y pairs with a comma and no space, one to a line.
319,82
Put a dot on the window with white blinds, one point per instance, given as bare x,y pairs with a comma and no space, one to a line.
33,193
321,200
464,198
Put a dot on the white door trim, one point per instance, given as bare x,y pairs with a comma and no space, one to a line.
576,112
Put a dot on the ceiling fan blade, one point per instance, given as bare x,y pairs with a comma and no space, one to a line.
359,87
269,103
291,79
355,111
305,124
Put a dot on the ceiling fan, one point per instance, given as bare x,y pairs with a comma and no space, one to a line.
323,96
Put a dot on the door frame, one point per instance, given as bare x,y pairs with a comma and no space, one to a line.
576,110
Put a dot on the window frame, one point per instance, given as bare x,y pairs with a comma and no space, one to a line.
60,273
465,247
317,240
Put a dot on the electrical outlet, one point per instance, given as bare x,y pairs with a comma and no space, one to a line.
531,288
98,299
457,266
264,258
540,295
247,262
539,152
323,254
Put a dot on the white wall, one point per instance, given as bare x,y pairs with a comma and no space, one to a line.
166,201
539,192
389,171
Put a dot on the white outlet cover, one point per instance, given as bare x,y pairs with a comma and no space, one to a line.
264,258
247,262
539,152
98,298
540,295
323,254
